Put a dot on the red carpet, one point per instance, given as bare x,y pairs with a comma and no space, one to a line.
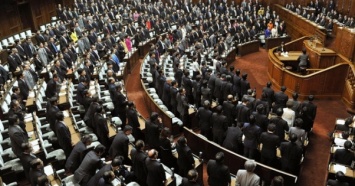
314,168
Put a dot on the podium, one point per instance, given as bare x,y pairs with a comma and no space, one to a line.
319,56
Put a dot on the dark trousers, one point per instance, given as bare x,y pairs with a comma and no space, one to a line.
249,152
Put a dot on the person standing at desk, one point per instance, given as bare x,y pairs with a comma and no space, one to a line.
303,60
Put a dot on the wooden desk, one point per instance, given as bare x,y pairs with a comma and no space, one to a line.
248,48
333,168
319,56
229,57
291,56
340,121
275,42
233,160
332,78
298,26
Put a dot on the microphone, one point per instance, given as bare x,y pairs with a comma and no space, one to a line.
200,156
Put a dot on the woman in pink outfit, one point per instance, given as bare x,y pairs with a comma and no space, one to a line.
135,15
128,43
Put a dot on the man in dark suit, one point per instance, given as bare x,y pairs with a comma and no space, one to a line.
36,171
22,85
183,106
218,173
114,166
252,133
340,180
51,113
52,87
89,165
270,142
260,118
100,125
233,140
119,145
132,118
120,103
204,115
82,86
155,171
14,60
17,135
219,125
78,154
63,134
244,85
153,126
173,92
269,93
311,109
280,124
344,156
229,110
190,179
26,158
138,163
4,75
291,154
280,99
243,111
185,159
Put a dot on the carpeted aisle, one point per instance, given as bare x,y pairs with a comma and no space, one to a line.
314,169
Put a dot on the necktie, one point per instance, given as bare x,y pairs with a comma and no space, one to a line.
55,48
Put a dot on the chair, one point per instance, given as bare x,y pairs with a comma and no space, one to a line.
116,121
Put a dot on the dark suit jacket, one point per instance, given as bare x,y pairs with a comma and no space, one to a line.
242,113
119,146
185,159
281,127
119,101
64,137
14,61
291,155
138,167
244,86
76,156
219,127
24,90
102,131
80,93
25,162
186,182
34,174
87,168
337,183
17,137
156,173
218,174
280,100
152,132
233,140
270,143
51,89
204,118
95,179
252,134
344,156
229,111
51,117
133,118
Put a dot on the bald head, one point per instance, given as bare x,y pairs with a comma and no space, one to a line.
153,154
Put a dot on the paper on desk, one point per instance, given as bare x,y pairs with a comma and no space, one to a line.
31,94
340,121
339,168
62,93
339,141
66,113
48,170
116,182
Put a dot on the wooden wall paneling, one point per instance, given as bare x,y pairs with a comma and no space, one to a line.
352,9
10,20
347,44
347,6
340,6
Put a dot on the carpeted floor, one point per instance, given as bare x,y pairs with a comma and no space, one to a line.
314,168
